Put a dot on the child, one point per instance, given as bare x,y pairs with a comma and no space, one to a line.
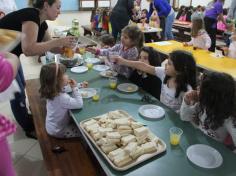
147,82
231,51
212,108
131,42
177,77
107,41
220,25
58,122
143,18
200,38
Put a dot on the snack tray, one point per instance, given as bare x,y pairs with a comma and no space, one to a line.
140,159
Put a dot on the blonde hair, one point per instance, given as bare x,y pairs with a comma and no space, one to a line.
197,25
135,34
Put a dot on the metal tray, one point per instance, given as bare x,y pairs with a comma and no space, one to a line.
144,157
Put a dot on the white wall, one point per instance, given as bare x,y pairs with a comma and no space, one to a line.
203,2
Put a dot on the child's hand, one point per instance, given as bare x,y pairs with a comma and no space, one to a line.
117,60
185,44
91,49
84,84
191,97
72,83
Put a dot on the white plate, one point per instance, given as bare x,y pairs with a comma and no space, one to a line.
204,156
127,87
101,67
92,60
108,73
151,111
79,69
87,92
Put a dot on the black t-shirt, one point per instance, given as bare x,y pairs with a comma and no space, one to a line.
15,19
123,11
150,84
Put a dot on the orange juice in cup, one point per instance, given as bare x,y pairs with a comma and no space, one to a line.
112,82
175,135
82,50
89,65
96,96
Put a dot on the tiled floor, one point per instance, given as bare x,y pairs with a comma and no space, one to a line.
26,153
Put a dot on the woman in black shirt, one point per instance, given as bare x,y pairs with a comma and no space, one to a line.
149,83
35,40
120,16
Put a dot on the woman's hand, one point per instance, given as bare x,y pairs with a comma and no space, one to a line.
191,97
68,41
72,83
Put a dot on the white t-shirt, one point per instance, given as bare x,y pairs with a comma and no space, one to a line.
187,112
7,6
57,111
167,96
201,41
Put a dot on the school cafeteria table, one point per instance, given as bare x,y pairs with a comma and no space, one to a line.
205,59
174,161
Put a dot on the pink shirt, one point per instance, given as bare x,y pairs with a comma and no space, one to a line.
6,73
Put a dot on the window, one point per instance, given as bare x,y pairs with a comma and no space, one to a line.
90,4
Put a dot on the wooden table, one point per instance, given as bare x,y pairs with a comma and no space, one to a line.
174,161
204,58
183,28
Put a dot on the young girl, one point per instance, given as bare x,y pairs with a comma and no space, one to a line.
147,82
131,42
178,76
58,122
107,41
231,51
200,38
212,108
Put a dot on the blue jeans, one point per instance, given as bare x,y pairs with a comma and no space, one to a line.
18,105
168,28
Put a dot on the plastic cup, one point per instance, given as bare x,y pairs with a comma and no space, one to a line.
89,65
113,82
82,50
96,97
175,135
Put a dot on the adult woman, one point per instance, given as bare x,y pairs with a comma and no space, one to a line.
214,12
35,41
166,15
120,16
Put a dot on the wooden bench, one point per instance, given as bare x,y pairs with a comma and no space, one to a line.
76,160
88,30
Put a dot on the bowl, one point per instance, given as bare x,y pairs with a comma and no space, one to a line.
68,62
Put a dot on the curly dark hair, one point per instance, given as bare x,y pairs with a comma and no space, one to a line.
217,98
153,55
186,69
51,80
39,3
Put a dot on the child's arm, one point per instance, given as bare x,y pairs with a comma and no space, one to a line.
231,130
189,106
76,101
136,64
207,40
